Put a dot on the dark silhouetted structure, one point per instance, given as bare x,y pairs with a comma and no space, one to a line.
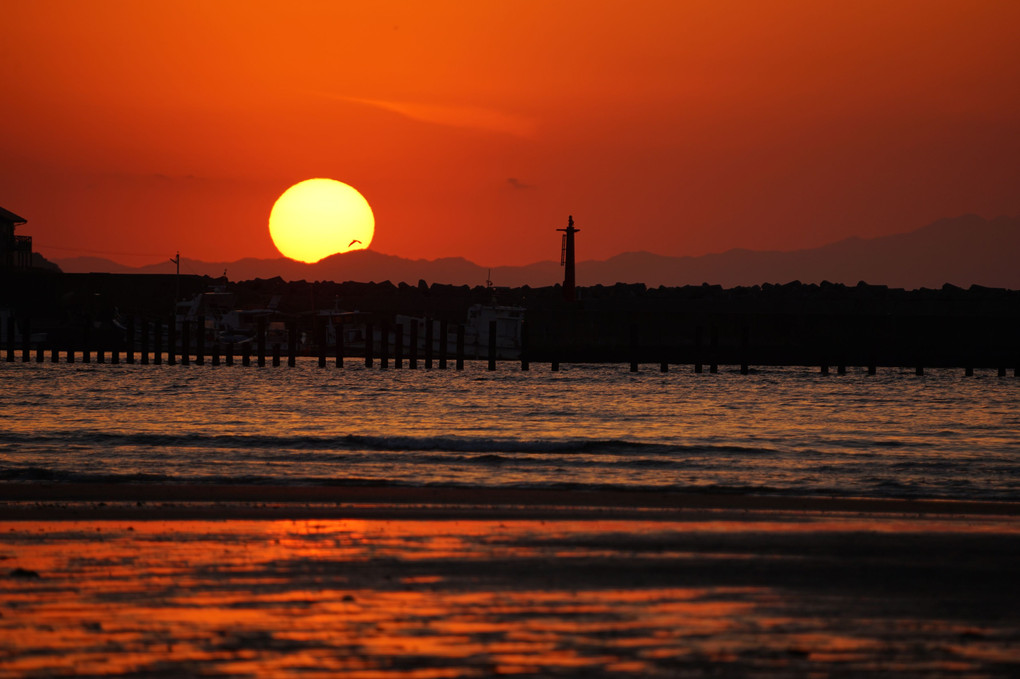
15,251
567,260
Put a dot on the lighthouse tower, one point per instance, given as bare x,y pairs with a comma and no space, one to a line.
567,260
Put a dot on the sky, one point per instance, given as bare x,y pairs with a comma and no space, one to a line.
134,130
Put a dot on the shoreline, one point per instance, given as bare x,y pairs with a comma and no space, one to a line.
60,501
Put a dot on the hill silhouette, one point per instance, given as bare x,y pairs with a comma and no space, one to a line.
963,251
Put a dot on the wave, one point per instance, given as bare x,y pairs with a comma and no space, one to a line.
877,488
355,442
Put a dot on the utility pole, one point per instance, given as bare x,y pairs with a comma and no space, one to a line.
177,280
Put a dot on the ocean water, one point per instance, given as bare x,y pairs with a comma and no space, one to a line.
786,431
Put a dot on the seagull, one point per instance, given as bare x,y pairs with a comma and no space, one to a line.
353,242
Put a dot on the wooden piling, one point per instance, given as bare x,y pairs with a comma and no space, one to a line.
398,346
444,341
555,366
525,359
873,369
384,347
145,342
171,344
493,325
130,354
157,352
10,338
185,342
428,343
713,366
292,341
276,354
69,354
745,334
215,353
412,360
338,329
919,371
369,339
968,372
460,349
200,341
633,347
699,331
228,358
86,351
1002,371
320,340
40,353
54,354
26,339
260,331
115,352
824,370
246,354
841,369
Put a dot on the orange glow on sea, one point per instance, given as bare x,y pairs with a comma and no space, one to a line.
451,598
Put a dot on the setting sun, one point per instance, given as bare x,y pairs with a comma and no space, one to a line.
317,218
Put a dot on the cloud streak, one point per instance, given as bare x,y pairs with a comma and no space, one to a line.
466,117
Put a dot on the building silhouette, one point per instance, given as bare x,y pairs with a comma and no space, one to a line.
15,250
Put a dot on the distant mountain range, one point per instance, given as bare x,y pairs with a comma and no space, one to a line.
963,251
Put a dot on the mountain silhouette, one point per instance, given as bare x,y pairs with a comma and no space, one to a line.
964,251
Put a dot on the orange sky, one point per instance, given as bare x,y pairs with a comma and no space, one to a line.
474,129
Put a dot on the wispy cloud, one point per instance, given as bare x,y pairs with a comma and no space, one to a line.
470,117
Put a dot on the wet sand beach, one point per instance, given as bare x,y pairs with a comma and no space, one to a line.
429,582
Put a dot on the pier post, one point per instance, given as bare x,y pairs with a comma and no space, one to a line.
261,339
412,361
200,341
384,347
968,372
919,371
525,363
492,344
398,346
40,353
246,354
215,353
115,352
824,369
186,342
145,341
171,341
633,347
157,353
130,353
713,366
338,330
444,341
320,339
369,339
698,332
873,369
428,343
555,366
292,340
1002,371
10,338
276,354
745,341
229,357
70,354
460,349
26,339
54,353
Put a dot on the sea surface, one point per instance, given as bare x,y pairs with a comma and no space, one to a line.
788,431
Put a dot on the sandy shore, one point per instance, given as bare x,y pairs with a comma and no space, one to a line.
180,581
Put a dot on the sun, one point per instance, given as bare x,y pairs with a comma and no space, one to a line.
317,218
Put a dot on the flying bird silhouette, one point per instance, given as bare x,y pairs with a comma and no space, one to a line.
353,242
